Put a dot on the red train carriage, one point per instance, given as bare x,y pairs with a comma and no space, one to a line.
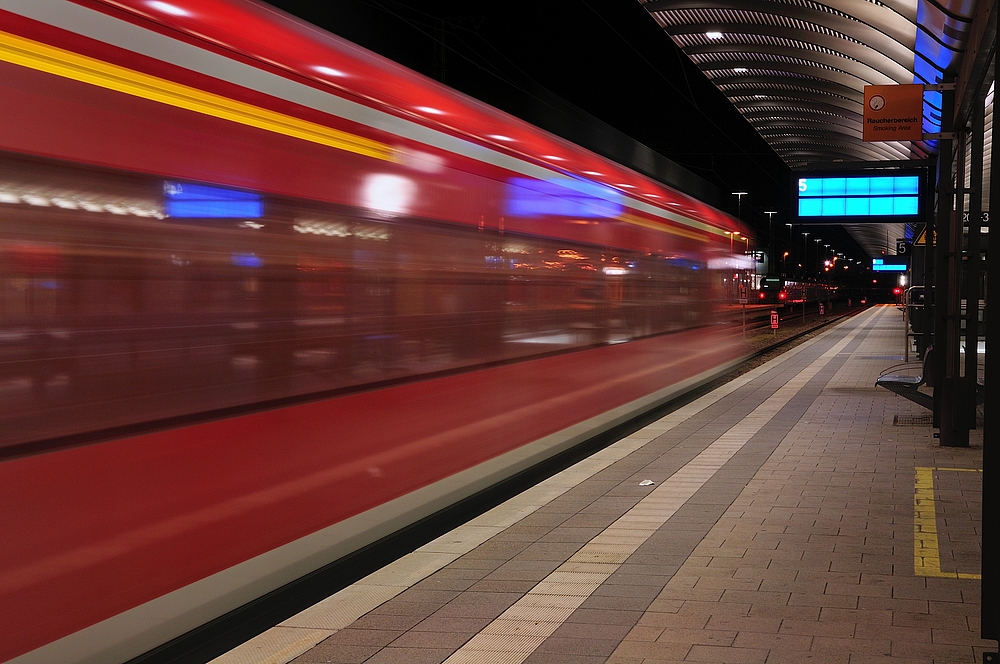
266,297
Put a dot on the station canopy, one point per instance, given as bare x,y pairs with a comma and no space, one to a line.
796,70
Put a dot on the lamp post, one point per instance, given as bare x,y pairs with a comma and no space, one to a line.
791,244
770,234
739,199
746,252
732,284
817,241
805,256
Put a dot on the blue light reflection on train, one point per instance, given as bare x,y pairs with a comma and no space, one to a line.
563,197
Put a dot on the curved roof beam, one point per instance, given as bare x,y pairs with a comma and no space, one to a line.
817,73
854,49
765,119
781,87
861,151
840,62
896,39
804,135
777,106
845,152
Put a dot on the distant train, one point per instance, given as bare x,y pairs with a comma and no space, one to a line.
778,291
266,298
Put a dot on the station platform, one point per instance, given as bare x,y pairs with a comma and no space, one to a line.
795,514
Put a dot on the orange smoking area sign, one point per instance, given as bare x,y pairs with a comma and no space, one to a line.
893,112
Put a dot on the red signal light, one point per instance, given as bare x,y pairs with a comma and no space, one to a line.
782,295
897,291
761,296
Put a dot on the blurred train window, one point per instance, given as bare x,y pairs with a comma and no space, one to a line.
113,311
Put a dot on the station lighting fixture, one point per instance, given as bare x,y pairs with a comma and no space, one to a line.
739,200
713,35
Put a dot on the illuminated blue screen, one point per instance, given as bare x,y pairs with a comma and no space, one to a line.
875,196
878,265
198,201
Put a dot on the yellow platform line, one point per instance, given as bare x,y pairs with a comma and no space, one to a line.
49,59
926,551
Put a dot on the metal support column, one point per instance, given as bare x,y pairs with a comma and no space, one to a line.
927,337
990,615
949,413
973,268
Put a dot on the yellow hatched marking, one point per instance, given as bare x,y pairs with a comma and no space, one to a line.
926,551
52,60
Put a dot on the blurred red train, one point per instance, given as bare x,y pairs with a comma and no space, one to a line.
266,297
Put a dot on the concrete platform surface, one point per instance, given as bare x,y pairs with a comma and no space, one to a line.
796,514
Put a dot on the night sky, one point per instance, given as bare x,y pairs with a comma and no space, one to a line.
606,57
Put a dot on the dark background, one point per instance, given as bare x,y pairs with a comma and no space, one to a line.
608,58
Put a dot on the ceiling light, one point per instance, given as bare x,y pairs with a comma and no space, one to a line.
740,70
713,35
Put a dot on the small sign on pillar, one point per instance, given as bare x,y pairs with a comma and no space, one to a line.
774,319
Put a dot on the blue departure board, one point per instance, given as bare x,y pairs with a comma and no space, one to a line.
879,265
858,198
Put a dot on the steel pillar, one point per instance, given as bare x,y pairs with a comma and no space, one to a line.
949,411
973,265
990,613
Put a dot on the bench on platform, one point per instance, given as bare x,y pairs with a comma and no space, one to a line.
907,386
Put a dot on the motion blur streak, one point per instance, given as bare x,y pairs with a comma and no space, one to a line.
28,53
251,321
